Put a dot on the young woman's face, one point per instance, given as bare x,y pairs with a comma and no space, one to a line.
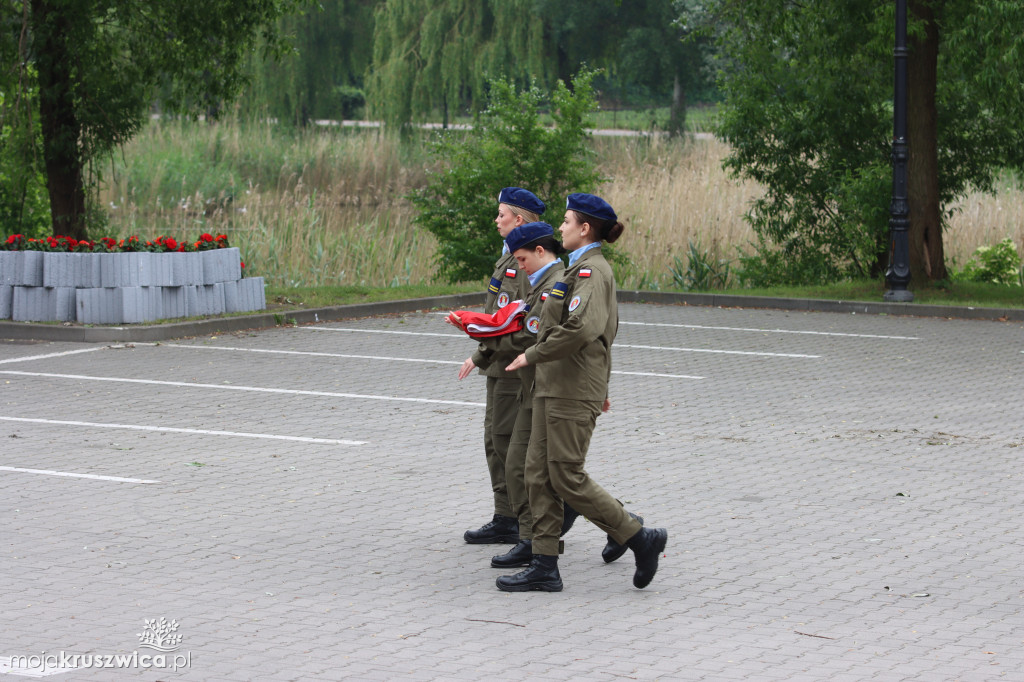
574,233
533,259
506,220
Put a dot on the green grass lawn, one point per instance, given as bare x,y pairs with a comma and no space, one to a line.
952,294
296,298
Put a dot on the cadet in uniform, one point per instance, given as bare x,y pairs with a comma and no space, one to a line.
536,250
573,363
516,206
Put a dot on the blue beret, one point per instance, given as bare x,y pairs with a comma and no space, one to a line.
590,205
526,233
523,198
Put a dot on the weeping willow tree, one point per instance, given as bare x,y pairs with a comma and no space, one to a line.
437,55
322,75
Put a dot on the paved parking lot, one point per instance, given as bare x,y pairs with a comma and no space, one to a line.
842,492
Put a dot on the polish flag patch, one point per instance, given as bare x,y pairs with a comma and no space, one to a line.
510,272
585,272
544,296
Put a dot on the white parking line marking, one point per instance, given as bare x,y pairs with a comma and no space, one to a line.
258,389
617,345
202,432
655,374
304,352
710,350
118,479
382,331
51,355
769,331
382,357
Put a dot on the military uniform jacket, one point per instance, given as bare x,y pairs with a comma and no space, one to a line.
578,322
511,345
508,283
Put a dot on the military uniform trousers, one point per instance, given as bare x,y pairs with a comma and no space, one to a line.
515,467
499,420
554,472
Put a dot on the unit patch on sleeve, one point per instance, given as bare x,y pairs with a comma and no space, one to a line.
533,324
574,303
503,299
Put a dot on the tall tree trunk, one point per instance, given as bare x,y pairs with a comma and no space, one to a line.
677,115
58,123
927,259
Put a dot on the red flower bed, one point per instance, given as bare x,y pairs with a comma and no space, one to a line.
61,244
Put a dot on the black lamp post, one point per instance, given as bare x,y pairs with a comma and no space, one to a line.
897,276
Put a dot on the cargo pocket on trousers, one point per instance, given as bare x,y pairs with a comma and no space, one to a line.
570,426
506,406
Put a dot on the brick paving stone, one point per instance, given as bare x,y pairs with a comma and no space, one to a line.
806,497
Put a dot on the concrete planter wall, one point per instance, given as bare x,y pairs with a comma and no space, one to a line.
118,288
221,265
6,301
21,268
43,304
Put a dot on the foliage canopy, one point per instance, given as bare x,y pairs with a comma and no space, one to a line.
92,68
808,113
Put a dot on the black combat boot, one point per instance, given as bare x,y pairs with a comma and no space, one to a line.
569,516
541,575
499,529
647,546
614,550
520,555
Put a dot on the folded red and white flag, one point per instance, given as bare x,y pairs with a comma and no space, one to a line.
505,320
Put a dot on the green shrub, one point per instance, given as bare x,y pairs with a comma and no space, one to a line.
508,146
770,266
999,264
702,272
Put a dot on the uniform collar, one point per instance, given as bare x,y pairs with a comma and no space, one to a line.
575,255
535,277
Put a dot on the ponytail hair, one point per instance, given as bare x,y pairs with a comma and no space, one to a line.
608,230
611,231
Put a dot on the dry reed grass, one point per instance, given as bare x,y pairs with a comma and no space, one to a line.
981,219
670,193
307,210
329,209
